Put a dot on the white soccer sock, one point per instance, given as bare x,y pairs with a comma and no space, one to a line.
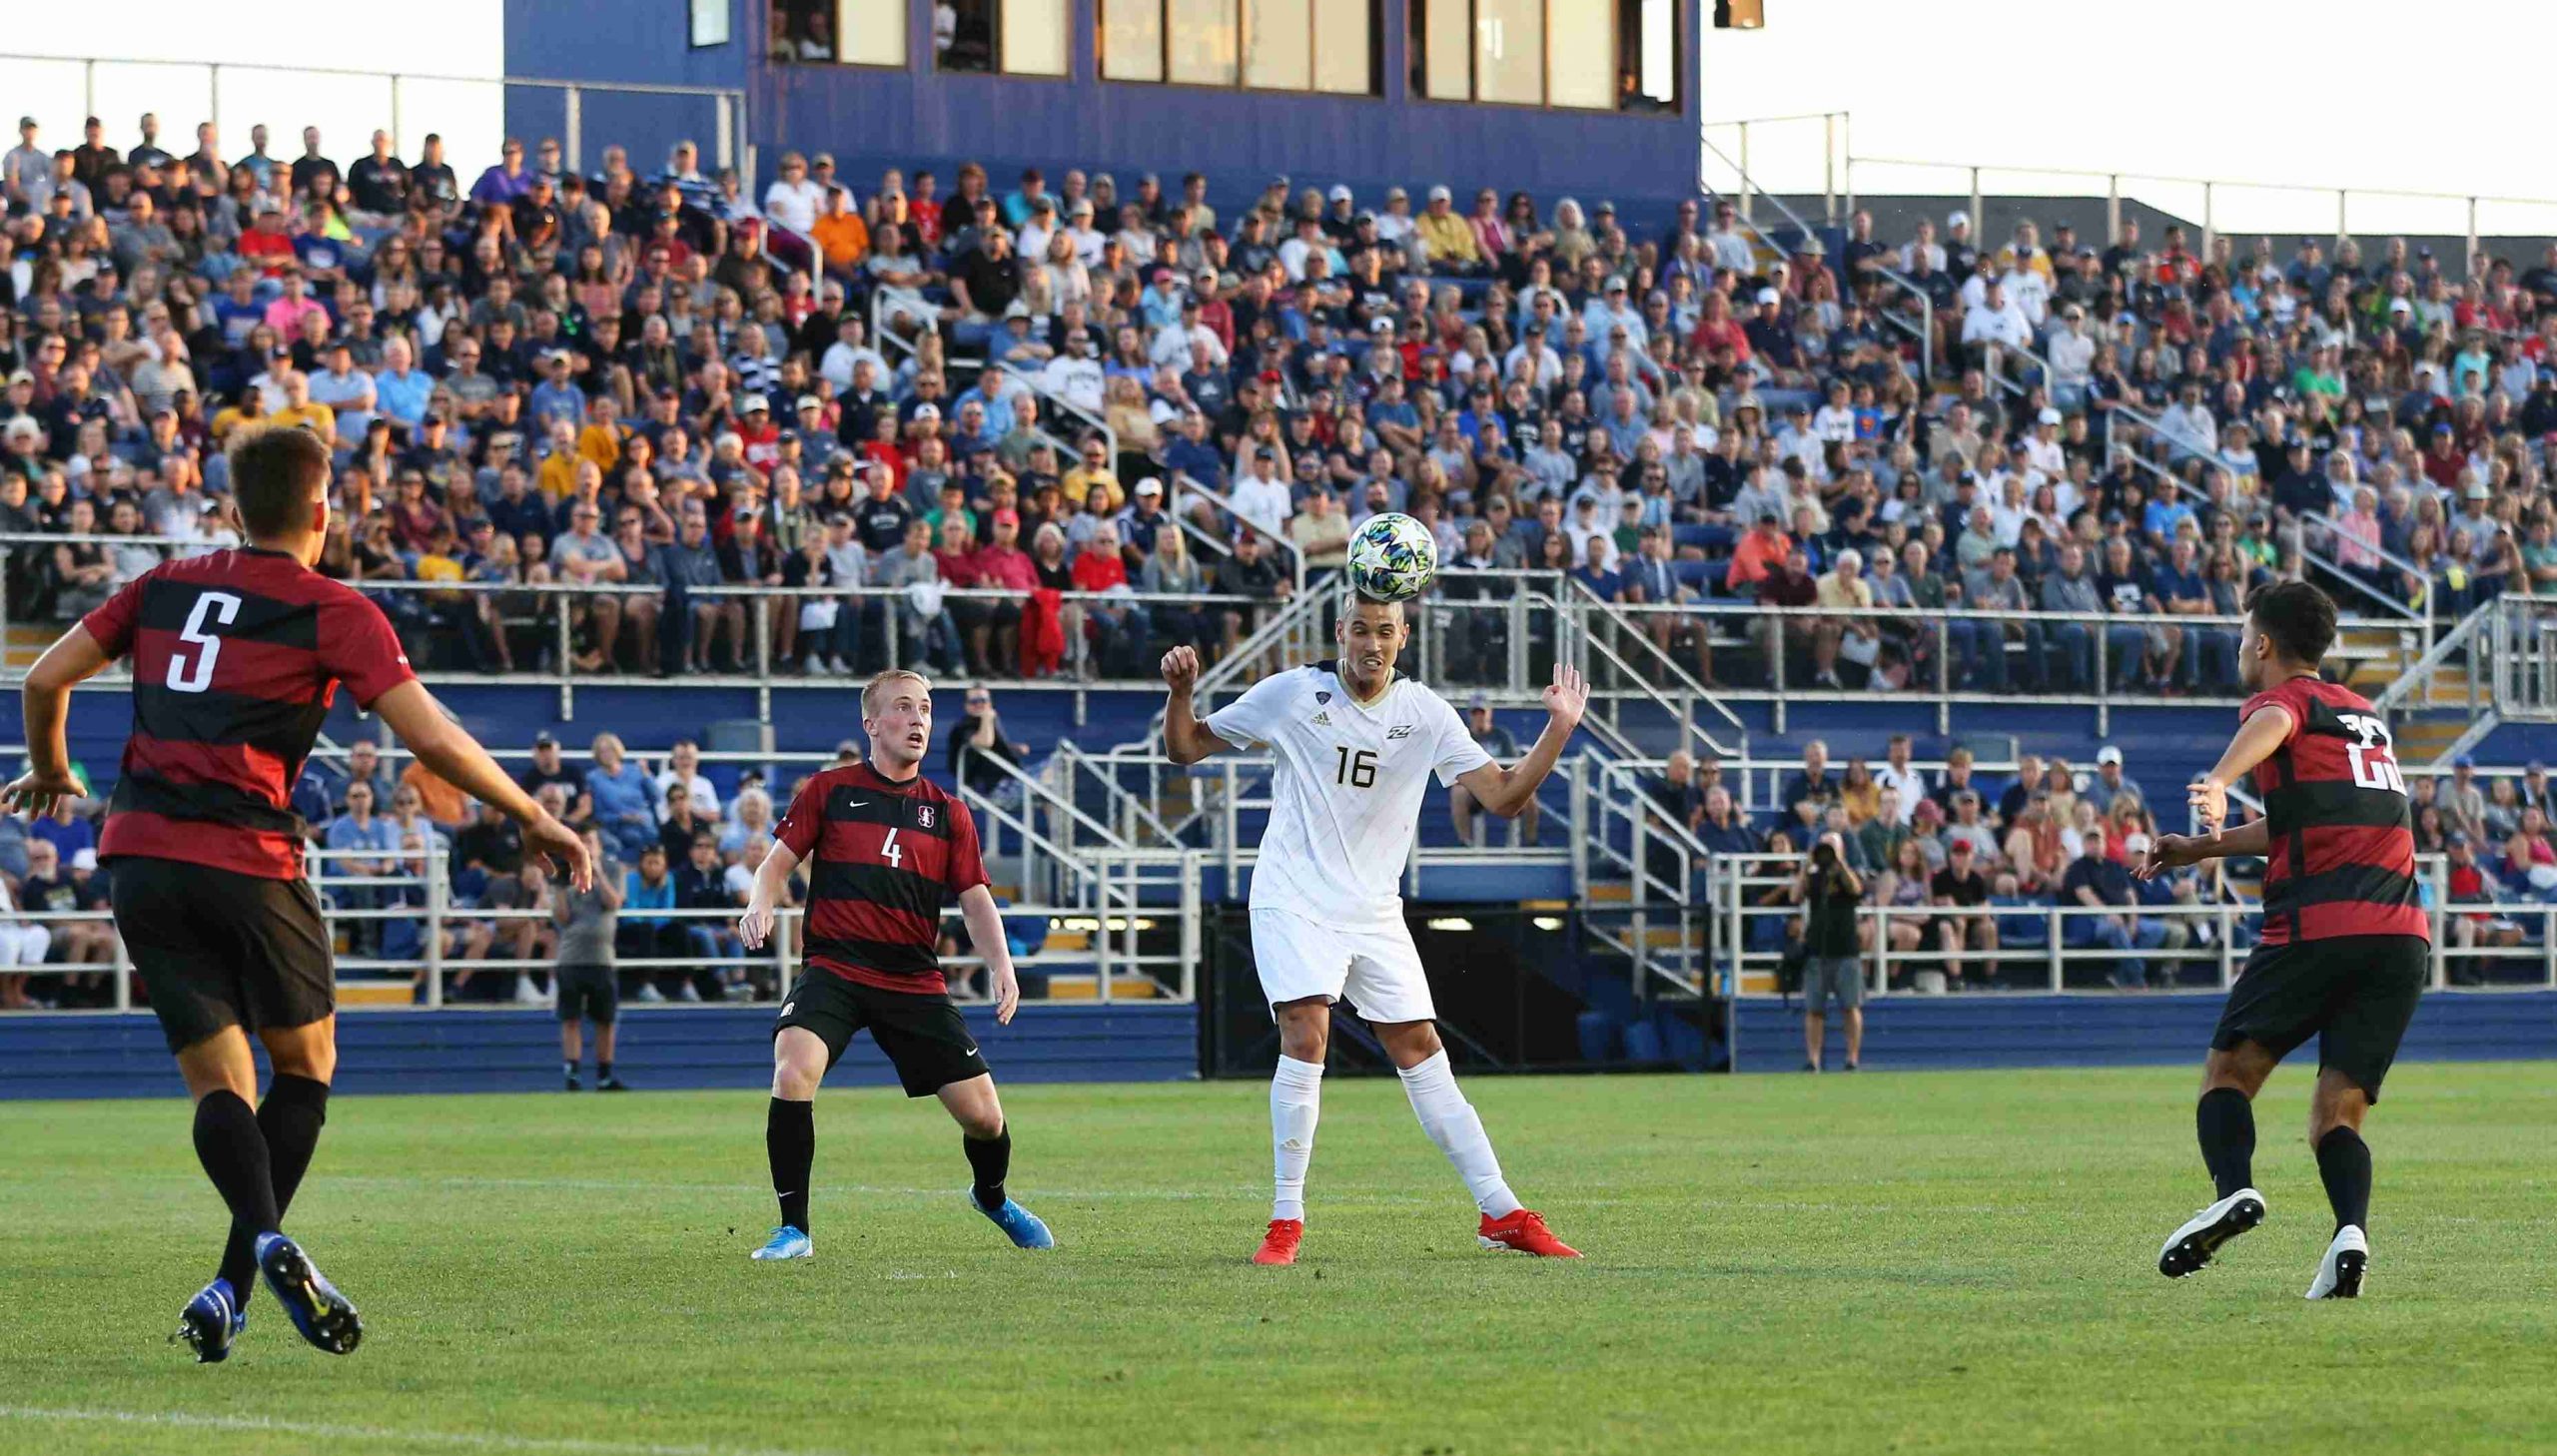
1295,1104
1450,1123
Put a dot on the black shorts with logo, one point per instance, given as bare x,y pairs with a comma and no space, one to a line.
218,949
590,991
924,1035
2356,993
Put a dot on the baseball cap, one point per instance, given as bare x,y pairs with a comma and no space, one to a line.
85,858
2108,754
2464,761
1007,516
811,401
2477,490
927,410
1340,193
545,739
1397,194
2137,843
1438,193
1957,219
1769,295
2458,840
756,405
2048,415
1149,486
1478,702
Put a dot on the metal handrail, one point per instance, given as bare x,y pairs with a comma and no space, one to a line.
1184,483
1691,688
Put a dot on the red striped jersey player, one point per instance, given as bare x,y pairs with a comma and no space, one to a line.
886,851
236,657
2347,944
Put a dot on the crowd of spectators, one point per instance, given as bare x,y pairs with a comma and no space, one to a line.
666,383
677,835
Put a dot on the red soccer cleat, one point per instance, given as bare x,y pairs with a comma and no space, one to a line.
1279,1245
1524,1231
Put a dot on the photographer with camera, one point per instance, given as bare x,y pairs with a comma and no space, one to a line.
1833,967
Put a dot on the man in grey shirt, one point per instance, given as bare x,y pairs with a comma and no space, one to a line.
587,990
1503,747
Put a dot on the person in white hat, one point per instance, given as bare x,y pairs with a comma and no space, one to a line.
2110,782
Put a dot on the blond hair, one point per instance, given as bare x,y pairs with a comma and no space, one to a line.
870,693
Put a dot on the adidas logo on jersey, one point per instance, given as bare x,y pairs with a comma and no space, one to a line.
1324,718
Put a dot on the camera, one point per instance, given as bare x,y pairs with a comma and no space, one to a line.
1824,855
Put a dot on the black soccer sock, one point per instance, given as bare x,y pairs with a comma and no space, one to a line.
234,1152
604,1071
291,1118
2226,1123
790,1141
989,1158
2344,1162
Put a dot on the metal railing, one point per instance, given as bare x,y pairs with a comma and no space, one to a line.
2037,945
729,143
1813,153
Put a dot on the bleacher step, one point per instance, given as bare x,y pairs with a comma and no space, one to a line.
1086,985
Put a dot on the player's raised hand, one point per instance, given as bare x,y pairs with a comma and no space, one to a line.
1567,696
36,791
2209,804
548,836
755,926
1181,668
1007,994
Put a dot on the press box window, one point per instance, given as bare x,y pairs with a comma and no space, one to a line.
1582,55
1329,46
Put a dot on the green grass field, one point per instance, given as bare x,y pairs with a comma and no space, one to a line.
1914,1262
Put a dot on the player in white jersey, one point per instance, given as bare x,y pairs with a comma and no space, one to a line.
1355,747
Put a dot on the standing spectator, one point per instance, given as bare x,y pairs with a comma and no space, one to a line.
370,844
977,745
624,800
1897,775
588,990
1833,969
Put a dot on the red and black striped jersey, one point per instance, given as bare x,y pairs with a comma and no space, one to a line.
2340,835
236,657
883,857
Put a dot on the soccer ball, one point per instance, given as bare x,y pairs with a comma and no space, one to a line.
1392,557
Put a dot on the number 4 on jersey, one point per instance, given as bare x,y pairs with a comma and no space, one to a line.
888,851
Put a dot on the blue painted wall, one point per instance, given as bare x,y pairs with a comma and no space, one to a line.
507,1050
871,117
1924,1033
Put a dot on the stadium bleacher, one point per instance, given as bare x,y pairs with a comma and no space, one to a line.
645,454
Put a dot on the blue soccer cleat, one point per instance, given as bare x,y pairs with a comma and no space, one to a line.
1018,1224
325,1317
786,1244
212,1321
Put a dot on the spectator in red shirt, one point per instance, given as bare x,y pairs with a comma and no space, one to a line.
1792,587
267,246
1118,630
1002,565
1757,555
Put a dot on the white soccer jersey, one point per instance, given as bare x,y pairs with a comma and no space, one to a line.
1347,797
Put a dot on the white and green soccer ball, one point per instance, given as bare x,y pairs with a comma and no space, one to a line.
1391,557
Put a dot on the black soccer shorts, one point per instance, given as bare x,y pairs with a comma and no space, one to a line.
925,1037
591,991
219,948
2356,993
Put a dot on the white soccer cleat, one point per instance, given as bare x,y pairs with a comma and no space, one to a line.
2347,1262
2190,1247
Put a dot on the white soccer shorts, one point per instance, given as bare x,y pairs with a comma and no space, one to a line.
1377,971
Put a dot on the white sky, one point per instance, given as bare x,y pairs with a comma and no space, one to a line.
461,38
2341,92
2238,90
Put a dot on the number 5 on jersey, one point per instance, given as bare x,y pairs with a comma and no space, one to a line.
195,676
